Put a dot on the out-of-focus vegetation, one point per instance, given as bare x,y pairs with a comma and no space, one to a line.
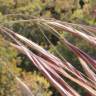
76,11
37,83
8,63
